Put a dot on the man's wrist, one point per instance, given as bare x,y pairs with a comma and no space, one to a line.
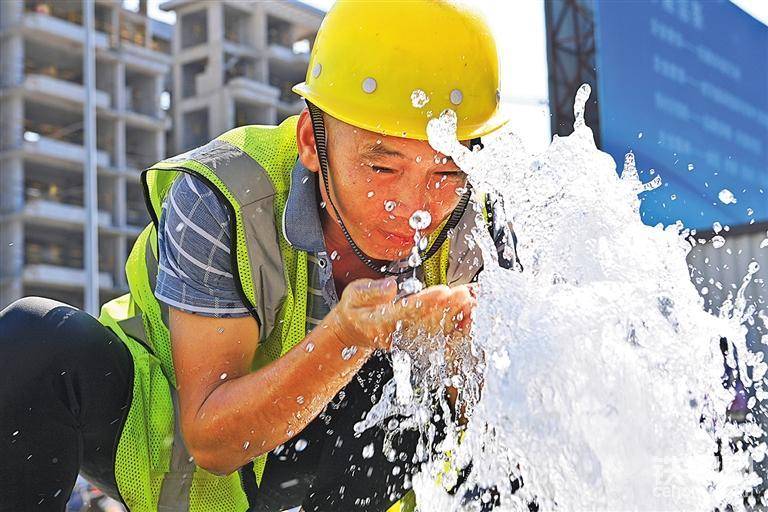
347,340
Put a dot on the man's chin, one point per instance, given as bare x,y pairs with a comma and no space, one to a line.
387,254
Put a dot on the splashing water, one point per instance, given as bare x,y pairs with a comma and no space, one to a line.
419,221
726,197
419,98
600,370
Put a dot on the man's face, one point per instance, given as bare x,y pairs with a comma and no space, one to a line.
379,181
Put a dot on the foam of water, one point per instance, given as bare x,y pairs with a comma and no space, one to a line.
600,370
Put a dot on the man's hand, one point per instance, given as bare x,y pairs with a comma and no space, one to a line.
368,314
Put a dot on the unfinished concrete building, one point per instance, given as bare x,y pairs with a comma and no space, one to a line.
41,141
235,62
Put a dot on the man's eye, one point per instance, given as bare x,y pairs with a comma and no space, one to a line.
382,170
452,174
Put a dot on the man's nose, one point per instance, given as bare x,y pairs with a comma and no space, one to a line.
413,196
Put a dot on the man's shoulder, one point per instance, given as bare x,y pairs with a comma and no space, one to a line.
195,199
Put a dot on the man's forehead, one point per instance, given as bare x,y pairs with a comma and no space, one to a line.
376,145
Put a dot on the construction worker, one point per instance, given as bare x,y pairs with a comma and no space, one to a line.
263,294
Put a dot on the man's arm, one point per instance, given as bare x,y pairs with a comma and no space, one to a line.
228,414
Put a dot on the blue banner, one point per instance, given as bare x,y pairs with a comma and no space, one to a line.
684,85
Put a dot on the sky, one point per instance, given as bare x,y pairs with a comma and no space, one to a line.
517,25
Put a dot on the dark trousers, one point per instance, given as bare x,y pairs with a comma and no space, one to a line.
65,390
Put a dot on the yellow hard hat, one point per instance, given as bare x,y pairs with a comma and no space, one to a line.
389,66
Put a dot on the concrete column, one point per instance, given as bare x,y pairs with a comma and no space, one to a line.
159,85
12,189
120,87
11,12
11,261
227,113
12,61
11,121
11,230
217,116
259,27
160,151
121,256
272,114
176,113
114,38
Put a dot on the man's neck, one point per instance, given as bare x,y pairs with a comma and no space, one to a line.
346,265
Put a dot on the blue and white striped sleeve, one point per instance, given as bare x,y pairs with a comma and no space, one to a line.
195,267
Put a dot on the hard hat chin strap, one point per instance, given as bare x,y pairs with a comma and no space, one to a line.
318,128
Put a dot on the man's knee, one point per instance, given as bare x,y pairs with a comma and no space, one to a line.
49,329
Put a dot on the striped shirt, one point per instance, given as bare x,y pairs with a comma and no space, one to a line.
195,271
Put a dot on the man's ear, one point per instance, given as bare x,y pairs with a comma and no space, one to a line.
305,140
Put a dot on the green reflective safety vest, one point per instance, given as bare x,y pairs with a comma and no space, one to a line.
249,168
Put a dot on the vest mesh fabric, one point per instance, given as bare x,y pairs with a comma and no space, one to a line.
143,455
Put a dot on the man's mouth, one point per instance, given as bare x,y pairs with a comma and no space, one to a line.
399,238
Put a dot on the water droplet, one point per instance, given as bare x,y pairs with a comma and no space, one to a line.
750,211
460,191
717,227
299,399
309,347
370,194
348,352
718,241
246,445
418,159
414,260
334,255
301,444
305,179
640,135
690,167
423,241
579,105
420,220
368,451
704,290
410,286
753,267
726,196
389,205
673,197
179,226
396,470
223,376
419,98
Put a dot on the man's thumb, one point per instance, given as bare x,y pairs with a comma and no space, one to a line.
372,291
